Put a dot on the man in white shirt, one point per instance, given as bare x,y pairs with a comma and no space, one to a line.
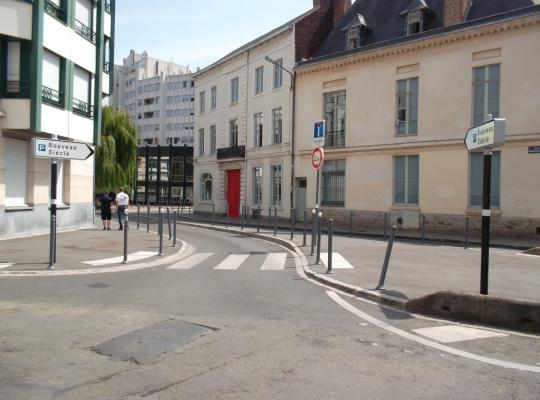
122,202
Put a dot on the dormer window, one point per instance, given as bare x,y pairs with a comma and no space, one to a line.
415,22
356,32
416,16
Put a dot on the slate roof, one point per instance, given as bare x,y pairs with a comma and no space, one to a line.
388,26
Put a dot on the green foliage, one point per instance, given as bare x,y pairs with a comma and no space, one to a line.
116,156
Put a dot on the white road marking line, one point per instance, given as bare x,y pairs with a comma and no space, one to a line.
140,255
232,262
338,261
5,265
454,333
274,262
192,261
426,342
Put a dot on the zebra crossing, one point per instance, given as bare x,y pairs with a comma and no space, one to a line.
234,262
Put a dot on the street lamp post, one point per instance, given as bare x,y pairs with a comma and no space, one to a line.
293,90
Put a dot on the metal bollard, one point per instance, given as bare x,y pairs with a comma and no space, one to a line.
247,215
292,223
319,234
52,244
258,219
305,228
159,211
213,214
467,225
385,225
138,216
423,228
126,228
227,216
275,221
147,219
169,222
382,279
175,216
330,251
352,222
269,217
160,232
243,216
313,229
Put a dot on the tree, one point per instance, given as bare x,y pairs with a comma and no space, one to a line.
116,156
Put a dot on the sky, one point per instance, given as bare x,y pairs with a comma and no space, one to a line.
196,32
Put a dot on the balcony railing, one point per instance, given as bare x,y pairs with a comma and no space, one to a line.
107,67
335,139
55,11
51,96
108,6
231,152
82,108
16,89
85,31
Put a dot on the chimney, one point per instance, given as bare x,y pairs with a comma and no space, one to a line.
340,9
455,11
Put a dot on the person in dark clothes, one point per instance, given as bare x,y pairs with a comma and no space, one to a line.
105,203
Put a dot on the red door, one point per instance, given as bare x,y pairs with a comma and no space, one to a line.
233,192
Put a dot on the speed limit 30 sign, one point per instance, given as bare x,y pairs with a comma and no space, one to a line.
317,157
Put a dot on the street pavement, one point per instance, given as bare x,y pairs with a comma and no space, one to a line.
261,331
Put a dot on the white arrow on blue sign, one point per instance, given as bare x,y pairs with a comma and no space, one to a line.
60,149
319,131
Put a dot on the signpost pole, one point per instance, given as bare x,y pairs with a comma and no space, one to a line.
486,223
52,236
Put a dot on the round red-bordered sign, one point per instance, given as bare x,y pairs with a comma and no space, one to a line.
317,157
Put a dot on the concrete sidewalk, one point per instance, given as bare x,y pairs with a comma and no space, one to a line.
81,250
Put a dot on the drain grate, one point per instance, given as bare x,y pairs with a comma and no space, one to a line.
149,343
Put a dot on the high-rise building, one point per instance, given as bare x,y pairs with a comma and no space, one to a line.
54,72
159,98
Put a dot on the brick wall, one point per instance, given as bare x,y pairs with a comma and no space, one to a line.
313,28
455,11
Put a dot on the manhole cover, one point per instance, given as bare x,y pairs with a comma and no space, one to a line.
147,344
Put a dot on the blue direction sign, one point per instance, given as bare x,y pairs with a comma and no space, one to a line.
319,131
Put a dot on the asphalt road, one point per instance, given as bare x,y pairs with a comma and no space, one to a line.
233,324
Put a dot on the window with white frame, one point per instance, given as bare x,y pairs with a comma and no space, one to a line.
51,78
486,92
333,183
16,154
277,125
415,21
201,142
212,140
235,83
406,180
259,80
278,73
257,186
202,102
407,107
276,185
206,187
13,75
335,104
213,97
476,179
258,129
81,91
233,133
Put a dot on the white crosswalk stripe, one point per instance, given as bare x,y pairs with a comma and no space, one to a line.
338,261
192,261
274,262
232,262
